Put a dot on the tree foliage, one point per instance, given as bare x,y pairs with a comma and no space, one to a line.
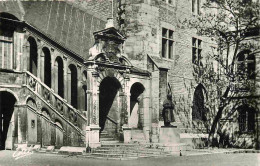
233,25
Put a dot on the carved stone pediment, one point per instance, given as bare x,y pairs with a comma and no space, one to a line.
108,47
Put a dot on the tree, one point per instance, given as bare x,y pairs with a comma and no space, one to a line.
231,24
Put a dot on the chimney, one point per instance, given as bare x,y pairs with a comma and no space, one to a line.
110,23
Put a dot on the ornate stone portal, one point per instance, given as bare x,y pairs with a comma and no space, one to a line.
109,71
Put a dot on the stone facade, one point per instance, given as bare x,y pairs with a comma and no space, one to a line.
71,77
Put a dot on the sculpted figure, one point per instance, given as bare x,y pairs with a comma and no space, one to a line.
167,112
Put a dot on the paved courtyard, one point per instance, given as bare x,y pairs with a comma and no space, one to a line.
37,159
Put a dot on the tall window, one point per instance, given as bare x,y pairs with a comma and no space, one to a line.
195,6
246,64
167,43
196,51
6,49
246,119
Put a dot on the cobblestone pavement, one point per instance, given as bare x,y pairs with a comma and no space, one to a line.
217,159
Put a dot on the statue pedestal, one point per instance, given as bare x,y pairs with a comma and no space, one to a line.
169,135
92,136
127,134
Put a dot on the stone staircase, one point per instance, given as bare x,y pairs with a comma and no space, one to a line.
105,138
74,119
121,151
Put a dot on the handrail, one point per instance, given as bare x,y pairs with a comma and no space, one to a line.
54,94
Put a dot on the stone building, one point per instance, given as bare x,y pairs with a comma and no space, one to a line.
68,76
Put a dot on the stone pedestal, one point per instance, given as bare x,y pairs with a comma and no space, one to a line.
147,134
169,135
154,136
127,134
92,136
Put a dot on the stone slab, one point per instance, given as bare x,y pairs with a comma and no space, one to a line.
72,150
50,148
169,135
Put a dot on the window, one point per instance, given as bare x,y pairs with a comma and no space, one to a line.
195,6
246,119
6,49
167,43
196,51
168,1
245,65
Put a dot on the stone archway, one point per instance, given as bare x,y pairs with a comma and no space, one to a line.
110,106
7,120
136,106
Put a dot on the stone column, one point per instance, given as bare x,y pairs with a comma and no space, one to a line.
19,38
92,131
22,124
41,65
126,111
26,56
65,77
146,117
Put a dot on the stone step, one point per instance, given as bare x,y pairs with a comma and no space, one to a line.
107,139
108,143
130,151
117,144
114,155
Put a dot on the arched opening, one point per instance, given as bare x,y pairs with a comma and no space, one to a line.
198,109
73,86
33,56
47,66
59,134
136,106
7,56
31,103
46,127
246,119
109,105
7,120
59,77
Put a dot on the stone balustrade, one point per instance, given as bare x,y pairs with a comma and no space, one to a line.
57,103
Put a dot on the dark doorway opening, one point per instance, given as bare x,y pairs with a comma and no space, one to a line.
7,101
109,105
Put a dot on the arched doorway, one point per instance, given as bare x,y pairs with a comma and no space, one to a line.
136,106
7,120
199,110
109,106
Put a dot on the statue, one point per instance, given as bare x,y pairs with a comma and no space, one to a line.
167,111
